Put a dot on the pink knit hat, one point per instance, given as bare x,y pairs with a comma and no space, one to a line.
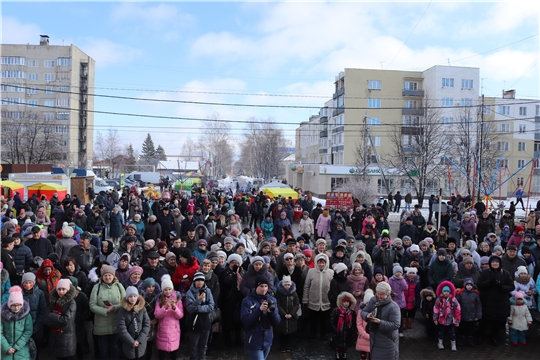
15,296
63,284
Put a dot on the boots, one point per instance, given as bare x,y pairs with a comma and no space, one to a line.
440,344
409,325
453,345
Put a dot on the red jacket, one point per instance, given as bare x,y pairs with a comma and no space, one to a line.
185,269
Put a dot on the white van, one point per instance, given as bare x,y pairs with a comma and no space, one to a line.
101,185
145,177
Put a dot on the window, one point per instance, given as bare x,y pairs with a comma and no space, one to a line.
13,60
504,128
49,103
64,61
487,109
536,147
13,74
504,110
376,141
447,102
411,104
504,163
62,102
33,77
12,101
62,142
411,85
522,129
48,63
63,75
48,91
64,115
48,116
537,110
341,101
374,103
48,77
374,121
447,121
521,146
62,88
12,114
374,84
32,103
502,146
11,88
32,91
519,181
409,160
411,120
466,84
406,140
62,129
33,63
522,111
521,163
466,102
447,82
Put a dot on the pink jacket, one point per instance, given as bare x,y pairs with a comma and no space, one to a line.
356,284
362,343
323,226
515,239
168,328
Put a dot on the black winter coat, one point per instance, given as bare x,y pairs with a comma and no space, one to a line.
495,287
65,339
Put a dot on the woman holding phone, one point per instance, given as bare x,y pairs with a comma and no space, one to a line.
105,303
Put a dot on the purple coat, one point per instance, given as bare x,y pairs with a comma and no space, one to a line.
469,226
399,286
323,226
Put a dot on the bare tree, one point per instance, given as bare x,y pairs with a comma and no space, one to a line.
263,149
361,188
108,146
419,147
33,140
215,142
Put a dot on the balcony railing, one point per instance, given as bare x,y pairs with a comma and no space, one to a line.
339,92
412,111
323,133
323,151
323,119
419,93
338,111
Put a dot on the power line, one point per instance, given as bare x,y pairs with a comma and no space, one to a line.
497,48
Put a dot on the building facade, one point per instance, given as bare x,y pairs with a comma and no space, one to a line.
50,87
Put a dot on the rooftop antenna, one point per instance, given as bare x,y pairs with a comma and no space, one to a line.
448,61
382,62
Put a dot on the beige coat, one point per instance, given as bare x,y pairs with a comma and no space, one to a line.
317,286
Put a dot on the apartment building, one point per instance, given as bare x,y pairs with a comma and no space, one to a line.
52,85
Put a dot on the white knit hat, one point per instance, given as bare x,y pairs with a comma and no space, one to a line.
236,257
522,270
340,267
166,282
286,280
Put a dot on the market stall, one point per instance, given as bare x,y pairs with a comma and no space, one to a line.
48,189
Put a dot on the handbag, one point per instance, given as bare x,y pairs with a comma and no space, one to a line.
32,348
215,315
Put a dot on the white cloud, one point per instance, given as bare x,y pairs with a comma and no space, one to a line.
16,32
107,53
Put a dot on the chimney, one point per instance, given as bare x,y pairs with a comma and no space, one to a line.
44,40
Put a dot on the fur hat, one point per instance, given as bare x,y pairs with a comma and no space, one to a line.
131,290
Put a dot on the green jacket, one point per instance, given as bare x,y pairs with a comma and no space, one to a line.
16,332
105,323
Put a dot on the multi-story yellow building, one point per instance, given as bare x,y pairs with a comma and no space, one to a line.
51,85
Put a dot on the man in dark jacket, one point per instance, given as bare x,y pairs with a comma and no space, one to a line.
39,246
397,200
188,223
166,220
440,269
384,256
153,268
316,213
510,261
85,254
408,229
22,255
484,226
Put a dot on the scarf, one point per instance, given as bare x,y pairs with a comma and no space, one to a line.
57,309
356,277
525,281
345,318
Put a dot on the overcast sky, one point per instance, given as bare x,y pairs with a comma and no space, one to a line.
242,52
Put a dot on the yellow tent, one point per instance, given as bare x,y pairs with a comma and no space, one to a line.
12,186
285,192
48,189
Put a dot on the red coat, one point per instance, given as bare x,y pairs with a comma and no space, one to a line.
185,269
412,295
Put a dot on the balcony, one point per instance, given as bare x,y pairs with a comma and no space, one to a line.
408,149
412,111
536,136
419,93
338,148
339,92
338,129
536,154
323,120
323,134
323,151
338,111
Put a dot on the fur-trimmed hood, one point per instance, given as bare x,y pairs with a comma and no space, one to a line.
450,285
263,271
4,276
284,291
9,315
61,301
426,292
139,305
344,295
205,236
323,257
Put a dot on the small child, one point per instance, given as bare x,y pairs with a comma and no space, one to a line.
505,236
412,296
519,320
343,324
17,326
288,305
363,342
471,311
150,291
169,310
446,313
428,302
399,286
378,277
523,282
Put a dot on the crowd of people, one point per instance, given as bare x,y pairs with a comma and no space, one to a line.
215,268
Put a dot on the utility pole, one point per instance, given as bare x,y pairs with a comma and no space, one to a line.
480,148
365,146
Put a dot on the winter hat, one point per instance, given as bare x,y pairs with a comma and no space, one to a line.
266,259
342,242
67,232
484,259
148,282
361,244
166,282
15,296
264,244
397,241
368,295
233,257
169,255
63,284
384,287
356,266
446,288
415,247
135,269
131,290
422,243
185,253
465,251
235,231
518,229
468,281
360,253
377,270
517,295
468,260
521,270
491,234
320,241
494,258
429,240
258,231
228,240
133,226
385,235
286,280
339,268
498,247
107,269
150,243
6,240
406,237
288,256
239,245
161,244
260,280
212,256
511,247
409,270
272,240
307,253
198,276
201,241
257,258
441,252
222,254
322,257
29,276
397,269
